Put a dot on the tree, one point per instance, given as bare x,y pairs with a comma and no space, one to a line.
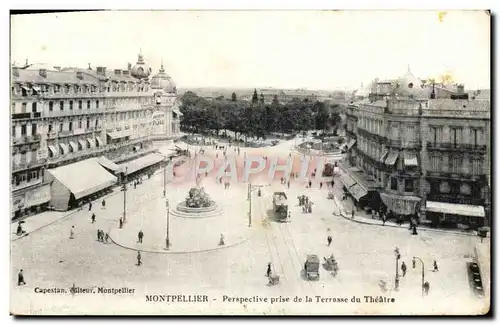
262,98
233,97
275,100
321,116
255,97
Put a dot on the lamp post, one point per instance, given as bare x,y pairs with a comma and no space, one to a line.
125,196
167,239
423,271
396,281
165,176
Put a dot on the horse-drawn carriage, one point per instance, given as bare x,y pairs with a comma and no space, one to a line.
331,264
274,279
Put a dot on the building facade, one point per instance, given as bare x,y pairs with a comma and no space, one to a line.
425,148
61,116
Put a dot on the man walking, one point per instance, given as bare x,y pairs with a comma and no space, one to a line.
435,266
106,238
139,262
329,239
140,235
103,203
93,217
268,269
20,278
98,234
403,268
90,205
121,223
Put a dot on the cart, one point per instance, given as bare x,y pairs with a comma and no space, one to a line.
274,279
331,265
311,267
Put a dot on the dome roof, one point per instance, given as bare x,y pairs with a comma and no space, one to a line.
409,85
163,81
141,70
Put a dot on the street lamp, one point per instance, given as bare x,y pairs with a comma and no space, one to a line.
423,271
164,176
125,195
167,239
396,281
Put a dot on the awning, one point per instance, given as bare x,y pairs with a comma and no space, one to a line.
347,180
82,143
453,208
37,196
106,163
83,178
176,111
99,141
91,142
74,146
350,144
25,88
36,88
401,204
357,191
137,148
120,134
391,158
384,153
64,148
53,149
410,160
140,163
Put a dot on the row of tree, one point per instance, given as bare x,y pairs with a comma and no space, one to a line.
256,118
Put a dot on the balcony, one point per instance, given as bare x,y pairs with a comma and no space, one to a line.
26,140
23,165
448,146
25,116
73,112
70,95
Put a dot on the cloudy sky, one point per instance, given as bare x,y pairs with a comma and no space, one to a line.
287,49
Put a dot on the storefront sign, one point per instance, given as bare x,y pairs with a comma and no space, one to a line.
37,196
17,202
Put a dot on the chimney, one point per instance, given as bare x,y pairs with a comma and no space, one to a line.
101,71
15,71
460,89
79,75
118,72
126,73
43,73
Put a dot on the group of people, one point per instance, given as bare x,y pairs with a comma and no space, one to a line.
101,236
306,203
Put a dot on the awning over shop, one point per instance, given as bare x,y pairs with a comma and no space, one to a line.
99,141
91,142
38,196
453,208
384,154
357,191
36,88
83,178
53,149
137,148
391,158
350,144
25,88
82,143
120,134
400,204
410,160
64,148
140,163
74,146
106,163
347,180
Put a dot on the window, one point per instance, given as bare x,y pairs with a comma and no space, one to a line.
51,106
24,107
96,123
475,137
57,88
70,125
96,104
70,104
61,127
394,184
456,164
33,129
476,166
13,131
23,129
408,185
24,92
88,104
80,104
50,128
88,123
13,110
79,123
61,105
33,107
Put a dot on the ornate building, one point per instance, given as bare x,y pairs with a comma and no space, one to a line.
61,116
423,148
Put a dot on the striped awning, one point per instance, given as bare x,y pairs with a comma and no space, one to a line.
351,144
410,160
358,191
140,163
64,148
99,141
53,149
459,209
91,142
74,146
347,180
82,143
384,154
391,158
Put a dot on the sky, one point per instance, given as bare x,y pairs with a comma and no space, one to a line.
283,49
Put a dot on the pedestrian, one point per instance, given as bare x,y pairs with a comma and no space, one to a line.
106,238
282,180
403,268
329,239
310,183
139,262
268,269
352,214
288,184
413,263
140,235
435,266
103,203
98,234
20,278
333,183
135,184
320,185
71,232
426,287
121,223
93,217
383,220
90,205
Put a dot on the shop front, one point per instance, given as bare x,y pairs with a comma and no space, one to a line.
362,190
30,201
145,165
401,207
455,215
